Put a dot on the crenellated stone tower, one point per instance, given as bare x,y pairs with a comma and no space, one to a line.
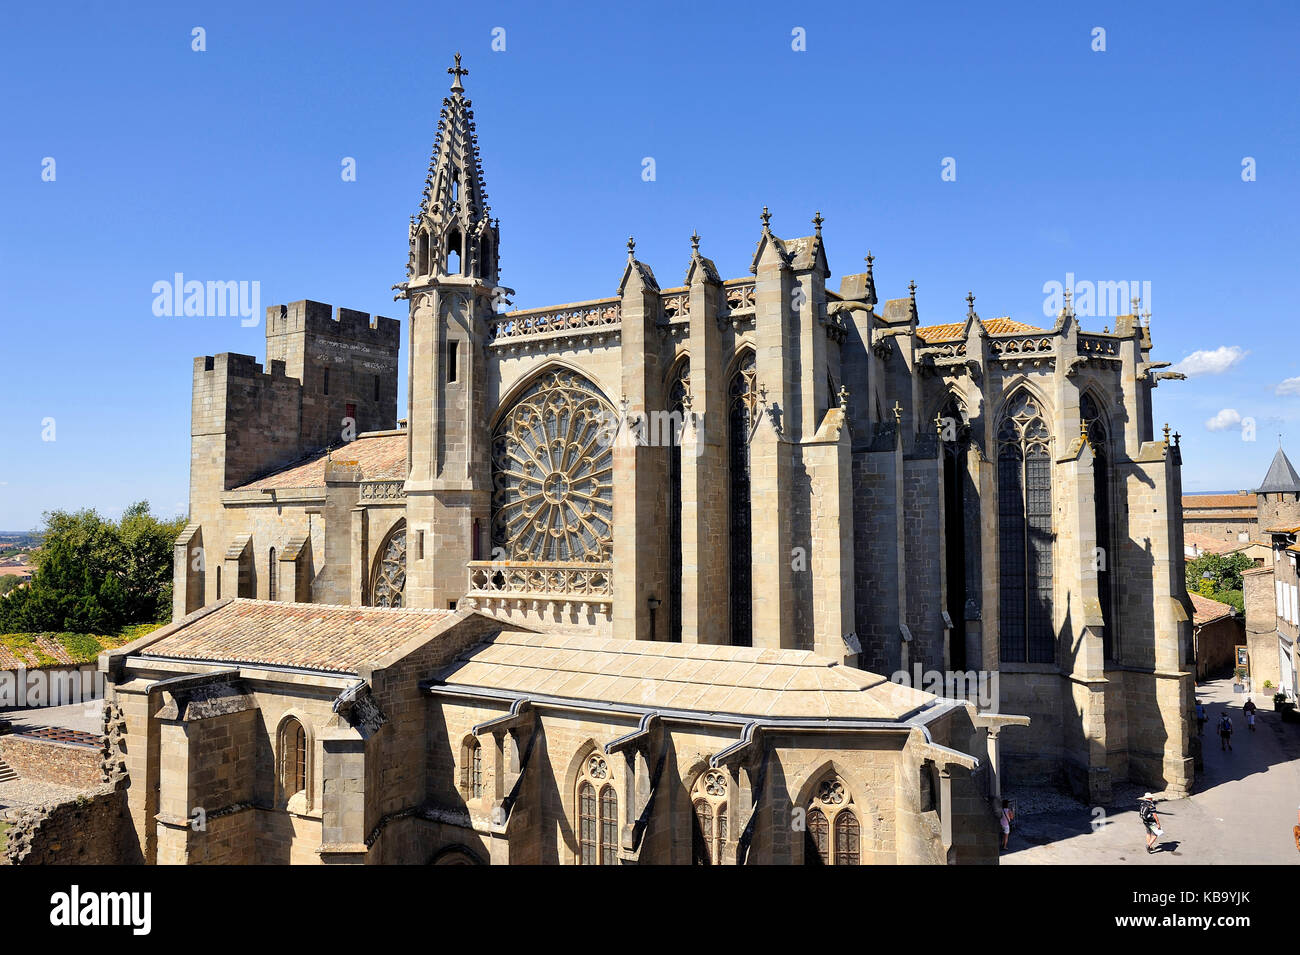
451,285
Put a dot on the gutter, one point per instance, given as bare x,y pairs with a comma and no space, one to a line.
749,725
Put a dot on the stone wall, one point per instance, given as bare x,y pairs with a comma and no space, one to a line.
60,763
1215,643
92,829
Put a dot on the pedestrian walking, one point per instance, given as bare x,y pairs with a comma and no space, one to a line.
1201,717
1225,731
1150,820
1004,821
1249,710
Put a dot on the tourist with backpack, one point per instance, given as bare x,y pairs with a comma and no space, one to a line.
1225,731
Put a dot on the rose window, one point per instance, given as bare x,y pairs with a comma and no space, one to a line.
553,463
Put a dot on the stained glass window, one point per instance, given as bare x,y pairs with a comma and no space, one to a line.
390,570
1025,533
552,473
742,408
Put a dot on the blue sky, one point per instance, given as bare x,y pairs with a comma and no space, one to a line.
225,165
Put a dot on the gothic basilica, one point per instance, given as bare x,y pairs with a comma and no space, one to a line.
629,578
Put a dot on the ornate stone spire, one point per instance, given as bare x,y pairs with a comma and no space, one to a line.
767,219
453,232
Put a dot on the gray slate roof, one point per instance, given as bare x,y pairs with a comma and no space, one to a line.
1281,477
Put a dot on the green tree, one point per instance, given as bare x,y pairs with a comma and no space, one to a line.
95,576
1218,576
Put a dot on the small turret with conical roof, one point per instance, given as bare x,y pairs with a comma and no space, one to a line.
1278,498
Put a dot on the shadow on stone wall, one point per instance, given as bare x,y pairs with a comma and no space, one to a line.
93,828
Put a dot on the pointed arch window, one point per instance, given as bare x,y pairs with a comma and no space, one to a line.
677,400
1098,433
422,254
294,764
742,408
833,829
1025,532
471,780
553,473
959,552
709,804
388,579
597,804
451,264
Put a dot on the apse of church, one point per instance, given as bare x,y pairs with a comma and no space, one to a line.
764,461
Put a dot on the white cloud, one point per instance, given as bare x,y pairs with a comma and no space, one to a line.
1225,419
1290,386
1214,362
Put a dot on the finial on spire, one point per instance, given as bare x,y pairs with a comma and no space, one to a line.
766,217
911,288
1178,439
1146,318
970,303
1136,303
817,221
695,241
631,248
871,282
938,424
1066,294
844,399
1166,434
898,412
457,72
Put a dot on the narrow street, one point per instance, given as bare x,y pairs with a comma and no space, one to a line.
1242,812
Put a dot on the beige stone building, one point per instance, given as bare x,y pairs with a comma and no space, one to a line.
265,732
1271,594
764,469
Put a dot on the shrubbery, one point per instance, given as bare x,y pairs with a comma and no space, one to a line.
96,576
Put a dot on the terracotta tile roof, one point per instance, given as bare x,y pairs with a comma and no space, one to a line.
32,657
953,330
704,678
1207,610
1210,545
1199,502
309,636
1282,530
381,455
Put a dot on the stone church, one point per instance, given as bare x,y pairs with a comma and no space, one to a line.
627,581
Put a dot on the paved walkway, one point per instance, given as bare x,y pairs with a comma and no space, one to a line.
87,717
1241,813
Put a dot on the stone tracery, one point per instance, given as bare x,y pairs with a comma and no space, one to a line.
552,463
